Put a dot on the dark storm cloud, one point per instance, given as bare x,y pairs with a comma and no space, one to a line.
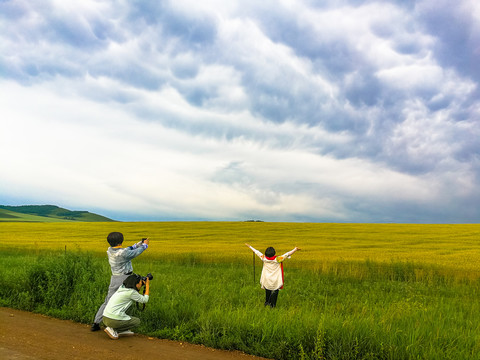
366,91
457,32
191,30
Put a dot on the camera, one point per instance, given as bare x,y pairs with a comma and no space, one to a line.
149,276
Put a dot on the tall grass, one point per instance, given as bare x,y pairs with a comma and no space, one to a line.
353,310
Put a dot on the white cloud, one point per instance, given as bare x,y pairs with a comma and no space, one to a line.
101,153
412,77
222,110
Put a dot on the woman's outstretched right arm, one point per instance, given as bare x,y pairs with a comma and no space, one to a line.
258,253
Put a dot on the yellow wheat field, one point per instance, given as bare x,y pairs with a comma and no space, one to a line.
453,247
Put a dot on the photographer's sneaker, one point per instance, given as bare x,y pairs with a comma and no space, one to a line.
95,327
112,333
126,333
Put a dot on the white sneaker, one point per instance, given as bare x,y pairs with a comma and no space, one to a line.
112,333
126,333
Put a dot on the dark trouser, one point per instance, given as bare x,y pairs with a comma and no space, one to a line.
115,282
271,297
121,325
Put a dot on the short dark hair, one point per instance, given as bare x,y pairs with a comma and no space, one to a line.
270,252
131,281
115,238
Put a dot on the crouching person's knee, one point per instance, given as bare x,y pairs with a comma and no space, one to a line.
134,322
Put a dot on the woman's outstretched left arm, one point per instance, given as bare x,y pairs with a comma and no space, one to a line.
290,253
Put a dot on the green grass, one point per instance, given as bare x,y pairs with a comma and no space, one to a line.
45,213
319,315
355,291
12,216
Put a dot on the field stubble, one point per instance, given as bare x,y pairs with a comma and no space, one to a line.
355,249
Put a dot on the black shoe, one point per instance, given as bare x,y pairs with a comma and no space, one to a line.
95,327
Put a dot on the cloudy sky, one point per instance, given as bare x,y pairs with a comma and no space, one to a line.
324,111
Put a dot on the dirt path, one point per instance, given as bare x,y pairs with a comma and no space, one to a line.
28,336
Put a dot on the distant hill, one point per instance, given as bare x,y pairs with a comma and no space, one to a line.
46,213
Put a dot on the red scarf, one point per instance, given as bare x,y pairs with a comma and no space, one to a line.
281,266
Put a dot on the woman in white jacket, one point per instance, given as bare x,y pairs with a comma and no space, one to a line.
115,314
272,273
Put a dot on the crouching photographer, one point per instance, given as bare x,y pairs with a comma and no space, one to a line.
114,316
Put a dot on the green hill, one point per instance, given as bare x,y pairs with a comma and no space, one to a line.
46,213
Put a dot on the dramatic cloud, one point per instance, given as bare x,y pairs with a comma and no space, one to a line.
277,110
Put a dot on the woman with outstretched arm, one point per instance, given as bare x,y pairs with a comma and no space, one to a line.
272,273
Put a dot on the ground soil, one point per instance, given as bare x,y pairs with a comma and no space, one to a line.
28,336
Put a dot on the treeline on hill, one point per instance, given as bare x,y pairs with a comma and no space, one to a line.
14,213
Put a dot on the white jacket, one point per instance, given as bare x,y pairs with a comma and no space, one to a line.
272,272
119,303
